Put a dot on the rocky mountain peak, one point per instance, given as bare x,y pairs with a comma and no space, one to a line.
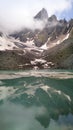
52,18
63,21
49,47
42,15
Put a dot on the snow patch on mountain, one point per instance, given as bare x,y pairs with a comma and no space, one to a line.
6,44
56,42
30,43
44,47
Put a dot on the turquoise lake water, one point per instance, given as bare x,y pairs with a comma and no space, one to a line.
36,100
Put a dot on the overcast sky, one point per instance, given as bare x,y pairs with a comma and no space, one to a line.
18,12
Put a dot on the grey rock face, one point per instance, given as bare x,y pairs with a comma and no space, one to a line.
42,15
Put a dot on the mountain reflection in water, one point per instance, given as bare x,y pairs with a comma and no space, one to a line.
40,100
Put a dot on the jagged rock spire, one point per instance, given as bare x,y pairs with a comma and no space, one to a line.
42,15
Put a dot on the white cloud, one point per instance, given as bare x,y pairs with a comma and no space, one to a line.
18,13
59,6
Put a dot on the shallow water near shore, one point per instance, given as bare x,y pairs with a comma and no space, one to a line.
36,99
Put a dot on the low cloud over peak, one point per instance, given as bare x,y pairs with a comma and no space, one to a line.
16,14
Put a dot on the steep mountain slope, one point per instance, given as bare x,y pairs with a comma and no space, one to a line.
42,15
51,47
61,55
